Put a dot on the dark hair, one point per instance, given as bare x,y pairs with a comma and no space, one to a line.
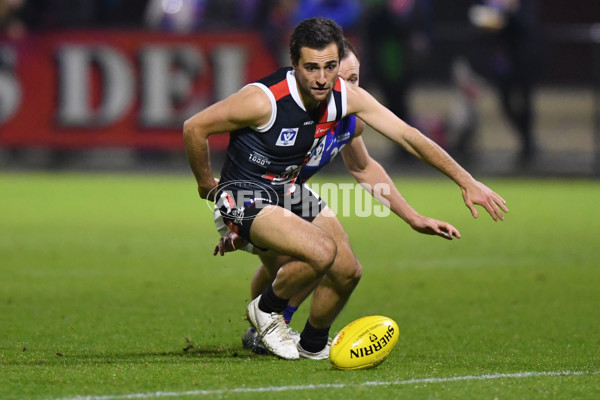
316,33
349,48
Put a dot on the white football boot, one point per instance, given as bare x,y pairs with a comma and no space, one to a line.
295,336
274,332
320,355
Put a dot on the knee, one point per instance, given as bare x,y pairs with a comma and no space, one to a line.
323,255
347,275
352,275
357,273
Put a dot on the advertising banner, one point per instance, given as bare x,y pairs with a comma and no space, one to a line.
80,89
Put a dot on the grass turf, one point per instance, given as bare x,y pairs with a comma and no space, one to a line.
109,288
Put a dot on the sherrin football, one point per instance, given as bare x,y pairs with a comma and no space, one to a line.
364,343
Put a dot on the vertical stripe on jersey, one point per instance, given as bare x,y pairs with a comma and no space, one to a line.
291,81
331,108
344,97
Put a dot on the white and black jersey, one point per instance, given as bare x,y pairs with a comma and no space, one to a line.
275,153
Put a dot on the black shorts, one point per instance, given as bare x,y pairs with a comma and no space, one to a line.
241,205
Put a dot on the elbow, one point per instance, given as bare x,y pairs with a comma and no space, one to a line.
355,170
355,165
187,128
191,132
357,175
359,171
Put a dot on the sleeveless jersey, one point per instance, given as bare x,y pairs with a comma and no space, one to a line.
327,150
274,154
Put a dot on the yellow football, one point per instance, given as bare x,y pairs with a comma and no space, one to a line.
364,343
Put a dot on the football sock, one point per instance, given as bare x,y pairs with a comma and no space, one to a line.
313,339
288,313
269,302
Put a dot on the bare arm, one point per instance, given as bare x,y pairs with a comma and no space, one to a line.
248,107
370,173
384,121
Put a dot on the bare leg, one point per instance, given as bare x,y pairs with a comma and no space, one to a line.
334,290
261,279
312,249
314,258
265,275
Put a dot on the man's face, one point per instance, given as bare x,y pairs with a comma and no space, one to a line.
316,73
350,69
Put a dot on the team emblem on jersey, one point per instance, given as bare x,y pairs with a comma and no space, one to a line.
287,137
317,154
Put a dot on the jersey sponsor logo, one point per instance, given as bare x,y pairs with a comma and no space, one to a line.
344,136
287,137
322,129
259,159
309,123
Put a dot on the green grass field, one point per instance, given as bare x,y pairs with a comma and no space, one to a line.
109,290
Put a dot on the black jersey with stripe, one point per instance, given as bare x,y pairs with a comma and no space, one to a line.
274,154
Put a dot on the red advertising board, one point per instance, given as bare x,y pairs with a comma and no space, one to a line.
81,89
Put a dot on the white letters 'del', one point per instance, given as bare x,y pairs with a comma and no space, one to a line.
168,75
75,100
229,66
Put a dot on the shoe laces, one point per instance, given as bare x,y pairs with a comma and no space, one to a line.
278,324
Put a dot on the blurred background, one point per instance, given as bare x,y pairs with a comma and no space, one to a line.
505,86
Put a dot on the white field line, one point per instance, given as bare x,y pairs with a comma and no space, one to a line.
217,392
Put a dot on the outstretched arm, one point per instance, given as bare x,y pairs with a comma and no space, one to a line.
371,174
384,121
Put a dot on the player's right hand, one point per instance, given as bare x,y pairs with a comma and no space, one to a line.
230,242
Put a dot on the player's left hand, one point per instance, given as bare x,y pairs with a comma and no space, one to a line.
430,226
478,193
